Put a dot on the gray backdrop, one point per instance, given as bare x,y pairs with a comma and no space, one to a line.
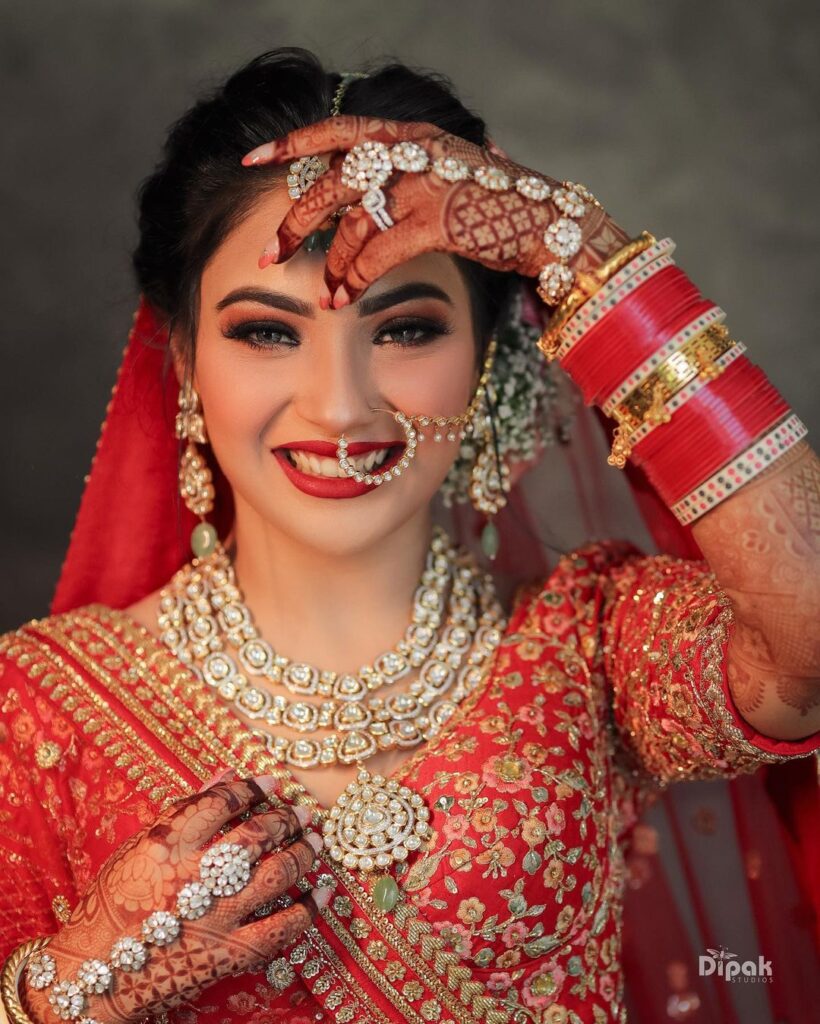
687,118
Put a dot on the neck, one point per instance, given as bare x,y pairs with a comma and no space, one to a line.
335,611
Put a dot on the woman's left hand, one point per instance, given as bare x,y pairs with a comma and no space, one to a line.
503,229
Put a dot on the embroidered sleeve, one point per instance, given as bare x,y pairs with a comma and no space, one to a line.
36,879
664,626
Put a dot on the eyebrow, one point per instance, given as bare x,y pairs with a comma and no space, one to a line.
365,307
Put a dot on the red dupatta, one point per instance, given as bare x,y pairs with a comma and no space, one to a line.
132,533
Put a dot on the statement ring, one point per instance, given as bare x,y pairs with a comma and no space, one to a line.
366,168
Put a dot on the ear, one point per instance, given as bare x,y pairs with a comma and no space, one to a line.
178,356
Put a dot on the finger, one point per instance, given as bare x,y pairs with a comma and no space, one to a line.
220,776
354,231
310,212
387,250
265,832
340,132
194,820
274,876
269,935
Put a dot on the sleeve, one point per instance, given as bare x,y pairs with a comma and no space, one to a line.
664,627
36,875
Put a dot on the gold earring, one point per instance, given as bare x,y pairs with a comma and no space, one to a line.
489,483
195,481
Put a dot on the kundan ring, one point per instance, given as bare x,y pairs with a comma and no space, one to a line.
366,168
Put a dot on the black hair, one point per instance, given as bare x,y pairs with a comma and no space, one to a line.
199,190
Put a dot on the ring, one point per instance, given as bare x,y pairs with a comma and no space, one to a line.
366,168
225,868
303,175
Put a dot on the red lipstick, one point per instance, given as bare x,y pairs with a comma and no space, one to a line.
334,487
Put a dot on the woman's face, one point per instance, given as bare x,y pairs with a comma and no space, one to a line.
274,370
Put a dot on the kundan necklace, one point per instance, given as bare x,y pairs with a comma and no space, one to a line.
456,625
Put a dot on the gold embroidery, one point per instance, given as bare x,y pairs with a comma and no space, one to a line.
47,754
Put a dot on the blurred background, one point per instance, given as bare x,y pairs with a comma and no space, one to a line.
692,119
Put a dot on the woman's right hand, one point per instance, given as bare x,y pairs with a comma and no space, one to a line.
146,873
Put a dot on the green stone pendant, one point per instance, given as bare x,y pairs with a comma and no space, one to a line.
386,893
490,540
203,540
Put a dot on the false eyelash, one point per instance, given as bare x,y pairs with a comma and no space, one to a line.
432,328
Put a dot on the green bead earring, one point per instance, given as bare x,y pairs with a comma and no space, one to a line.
195,481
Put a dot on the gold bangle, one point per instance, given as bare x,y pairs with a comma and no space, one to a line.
587,284
647,402
695,358
10,980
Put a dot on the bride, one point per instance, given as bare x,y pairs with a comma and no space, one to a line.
229,792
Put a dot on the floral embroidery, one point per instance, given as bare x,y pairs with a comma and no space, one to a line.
607,687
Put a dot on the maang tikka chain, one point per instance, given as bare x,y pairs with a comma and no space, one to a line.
195,481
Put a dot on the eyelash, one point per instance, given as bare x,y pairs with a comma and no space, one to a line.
430,330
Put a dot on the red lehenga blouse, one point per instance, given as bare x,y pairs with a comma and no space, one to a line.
609,684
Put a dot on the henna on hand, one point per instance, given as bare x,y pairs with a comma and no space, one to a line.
763,545
502,230
146,873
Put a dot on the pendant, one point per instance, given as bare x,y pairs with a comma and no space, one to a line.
375,823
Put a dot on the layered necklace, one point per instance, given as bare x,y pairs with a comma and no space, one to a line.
455,626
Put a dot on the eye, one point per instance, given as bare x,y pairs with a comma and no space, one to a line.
412,331
262,335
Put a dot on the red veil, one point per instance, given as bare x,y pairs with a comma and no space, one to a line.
733,864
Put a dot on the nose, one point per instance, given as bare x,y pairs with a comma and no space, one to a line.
337,394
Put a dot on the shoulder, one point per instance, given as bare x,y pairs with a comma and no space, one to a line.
43,652
579,570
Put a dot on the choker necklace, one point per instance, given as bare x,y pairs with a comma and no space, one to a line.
375,822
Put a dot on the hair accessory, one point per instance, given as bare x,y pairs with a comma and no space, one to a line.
195,480
346,78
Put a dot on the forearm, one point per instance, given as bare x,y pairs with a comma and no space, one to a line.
763,544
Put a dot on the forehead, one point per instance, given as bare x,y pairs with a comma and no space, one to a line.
234,262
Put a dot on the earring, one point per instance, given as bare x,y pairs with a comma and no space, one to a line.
195,480
489,483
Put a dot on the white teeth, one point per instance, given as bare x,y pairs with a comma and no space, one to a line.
307,462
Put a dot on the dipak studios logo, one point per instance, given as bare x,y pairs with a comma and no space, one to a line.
726,965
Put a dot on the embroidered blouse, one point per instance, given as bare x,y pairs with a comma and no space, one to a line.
608,686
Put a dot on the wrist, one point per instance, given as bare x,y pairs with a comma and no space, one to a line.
649,350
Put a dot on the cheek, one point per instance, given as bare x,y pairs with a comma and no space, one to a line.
238,395
438,384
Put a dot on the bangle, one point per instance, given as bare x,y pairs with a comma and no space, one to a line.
586,285
10,980
641,324
720,421
696,358
743,468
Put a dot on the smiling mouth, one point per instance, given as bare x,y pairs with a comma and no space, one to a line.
317,465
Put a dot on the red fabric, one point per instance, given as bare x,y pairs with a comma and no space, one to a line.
132,534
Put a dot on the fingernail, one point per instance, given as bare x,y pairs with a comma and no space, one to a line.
268,783
315,841
270,254
220,776
341,298
303,814
321,897
257,155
